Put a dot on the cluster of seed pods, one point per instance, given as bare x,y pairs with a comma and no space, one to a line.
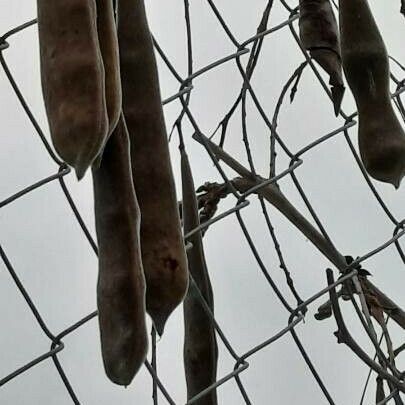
101,92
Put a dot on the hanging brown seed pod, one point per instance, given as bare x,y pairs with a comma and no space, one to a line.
163,252
72,75
200,345
107,33
320,36
366,66
121,282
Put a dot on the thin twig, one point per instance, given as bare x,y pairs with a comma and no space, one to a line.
345,337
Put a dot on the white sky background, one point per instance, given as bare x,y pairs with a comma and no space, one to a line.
55,263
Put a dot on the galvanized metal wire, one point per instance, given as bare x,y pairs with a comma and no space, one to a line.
295,312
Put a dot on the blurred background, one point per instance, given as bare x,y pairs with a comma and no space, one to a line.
54,261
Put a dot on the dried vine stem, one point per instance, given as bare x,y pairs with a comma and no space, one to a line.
345,337
273,194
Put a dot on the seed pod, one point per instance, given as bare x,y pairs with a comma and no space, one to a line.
72,76
163,253
320,36
121,283
200,345
107,33
365,63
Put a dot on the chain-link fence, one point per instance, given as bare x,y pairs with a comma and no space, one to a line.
368,300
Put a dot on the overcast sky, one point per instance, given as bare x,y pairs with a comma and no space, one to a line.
59,270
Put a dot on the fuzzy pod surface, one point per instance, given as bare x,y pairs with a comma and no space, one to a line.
200,345
319,34
72,77
121,282
163,252
366,67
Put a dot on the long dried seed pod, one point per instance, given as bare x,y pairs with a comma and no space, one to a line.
366,66
200,345
163,252
319,35
121,282
107,33
72,75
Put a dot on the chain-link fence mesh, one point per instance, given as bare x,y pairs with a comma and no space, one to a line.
366,298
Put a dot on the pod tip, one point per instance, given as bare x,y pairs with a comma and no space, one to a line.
395,180
159,322
396,184
337,97
80,171
123,378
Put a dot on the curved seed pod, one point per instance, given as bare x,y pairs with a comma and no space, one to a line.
163,253
121,283
365,63
107,33
200,345
320,36
72,74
